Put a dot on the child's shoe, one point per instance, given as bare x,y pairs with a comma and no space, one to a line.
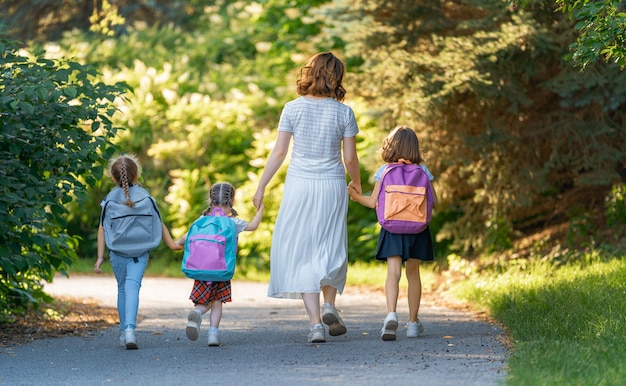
214,337
122,338
414,329
317,335
194,320
130,339
331,317
390,325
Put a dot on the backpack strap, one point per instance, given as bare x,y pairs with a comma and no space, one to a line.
392,166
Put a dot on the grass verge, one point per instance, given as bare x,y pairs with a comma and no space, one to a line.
567,323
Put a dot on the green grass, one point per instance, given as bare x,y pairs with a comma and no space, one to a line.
567,323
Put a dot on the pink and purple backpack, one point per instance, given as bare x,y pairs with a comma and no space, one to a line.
210,252
405,200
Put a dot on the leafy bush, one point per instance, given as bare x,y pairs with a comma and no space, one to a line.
55,133
615,205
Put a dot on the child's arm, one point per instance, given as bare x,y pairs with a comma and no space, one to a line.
182,240
96,267
167,237
367,201
254,224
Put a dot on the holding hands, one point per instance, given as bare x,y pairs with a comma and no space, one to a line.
354,189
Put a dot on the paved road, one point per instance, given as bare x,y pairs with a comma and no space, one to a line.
264,342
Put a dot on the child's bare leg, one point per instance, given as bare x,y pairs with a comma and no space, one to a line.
214,318
392,284
203,308
415,288
216,313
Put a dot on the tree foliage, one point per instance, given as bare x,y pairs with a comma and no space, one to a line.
516,137
601,28
55,133
204,106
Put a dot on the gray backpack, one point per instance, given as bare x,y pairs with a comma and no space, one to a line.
131,232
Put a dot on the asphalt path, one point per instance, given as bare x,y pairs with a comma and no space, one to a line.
264,342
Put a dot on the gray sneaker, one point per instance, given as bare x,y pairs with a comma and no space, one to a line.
130,339
331,318
316,335
194,320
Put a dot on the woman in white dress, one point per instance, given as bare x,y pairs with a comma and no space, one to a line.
309,252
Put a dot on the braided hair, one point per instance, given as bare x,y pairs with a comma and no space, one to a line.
125,169
221,194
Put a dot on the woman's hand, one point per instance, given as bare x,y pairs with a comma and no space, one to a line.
354,188
257,200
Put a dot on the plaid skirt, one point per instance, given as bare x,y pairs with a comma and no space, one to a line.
205,292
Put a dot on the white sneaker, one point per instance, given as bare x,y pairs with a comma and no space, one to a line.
194,320
316,335
331,318
130,339
214,338
414,329
390,325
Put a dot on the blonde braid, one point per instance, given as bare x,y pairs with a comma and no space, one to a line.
124,182
125,170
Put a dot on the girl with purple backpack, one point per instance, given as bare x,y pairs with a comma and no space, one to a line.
401,147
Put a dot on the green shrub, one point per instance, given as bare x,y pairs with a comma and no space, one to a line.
55,133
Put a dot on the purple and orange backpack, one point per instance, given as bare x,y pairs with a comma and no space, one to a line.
405,200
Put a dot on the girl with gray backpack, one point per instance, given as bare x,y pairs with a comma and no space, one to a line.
130,226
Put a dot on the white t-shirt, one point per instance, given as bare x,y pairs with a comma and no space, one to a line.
318,127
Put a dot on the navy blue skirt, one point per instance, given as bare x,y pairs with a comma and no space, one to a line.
407,246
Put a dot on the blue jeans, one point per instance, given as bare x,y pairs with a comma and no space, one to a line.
128,274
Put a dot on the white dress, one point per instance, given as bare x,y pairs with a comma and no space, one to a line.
310,244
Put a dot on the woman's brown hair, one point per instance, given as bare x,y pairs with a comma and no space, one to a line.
322,76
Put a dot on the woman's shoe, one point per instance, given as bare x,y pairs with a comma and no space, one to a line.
317,334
